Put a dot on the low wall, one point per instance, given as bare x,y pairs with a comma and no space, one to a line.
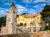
17,35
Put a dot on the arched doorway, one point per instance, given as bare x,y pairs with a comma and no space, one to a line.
25,24
21,24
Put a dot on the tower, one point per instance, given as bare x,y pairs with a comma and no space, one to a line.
11,20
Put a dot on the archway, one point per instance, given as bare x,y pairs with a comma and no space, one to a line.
21,24
25,24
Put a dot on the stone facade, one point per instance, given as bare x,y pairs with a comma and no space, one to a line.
11,20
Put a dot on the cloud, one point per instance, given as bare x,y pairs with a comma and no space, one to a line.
21,9
39,7
26,5
43,5
3,12
36,6
36,1
32,11
7,3
27,1
2,8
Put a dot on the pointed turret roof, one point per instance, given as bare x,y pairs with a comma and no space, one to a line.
13,5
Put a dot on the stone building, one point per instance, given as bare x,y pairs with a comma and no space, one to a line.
11,20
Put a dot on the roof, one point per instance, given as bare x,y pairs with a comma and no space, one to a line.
28,16
12,5
17,16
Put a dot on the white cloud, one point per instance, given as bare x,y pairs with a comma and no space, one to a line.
2,8
43,5
7,9
36,1
39,7
21,9
27,1
3,12
32,11
7,3
26,5
36,6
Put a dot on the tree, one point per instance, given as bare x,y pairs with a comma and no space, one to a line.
46,13
46,8
2,20
23,14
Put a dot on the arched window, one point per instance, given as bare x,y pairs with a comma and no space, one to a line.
21,24
25,24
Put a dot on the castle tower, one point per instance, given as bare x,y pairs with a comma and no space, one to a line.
11,20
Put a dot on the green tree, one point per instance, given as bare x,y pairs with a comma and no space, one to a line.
45,13
2,20
23,14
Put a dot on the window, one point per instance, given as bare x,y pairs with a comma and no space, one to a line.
31,18
18,19
12,8
27,18
14,20
12,24
25,24
37,17
23,20
25,28
21,28
28,24
9,19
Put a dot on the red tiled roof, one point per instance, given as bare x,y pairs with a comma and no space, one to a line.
17,16
28,15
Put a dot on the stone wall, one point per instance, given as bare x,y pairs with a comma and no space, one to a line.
17,35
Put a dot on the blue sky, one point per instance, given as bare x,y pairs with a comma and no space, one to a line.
23,6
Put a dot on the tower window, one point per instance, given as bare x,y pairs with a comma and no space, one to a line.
13,12
12,8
